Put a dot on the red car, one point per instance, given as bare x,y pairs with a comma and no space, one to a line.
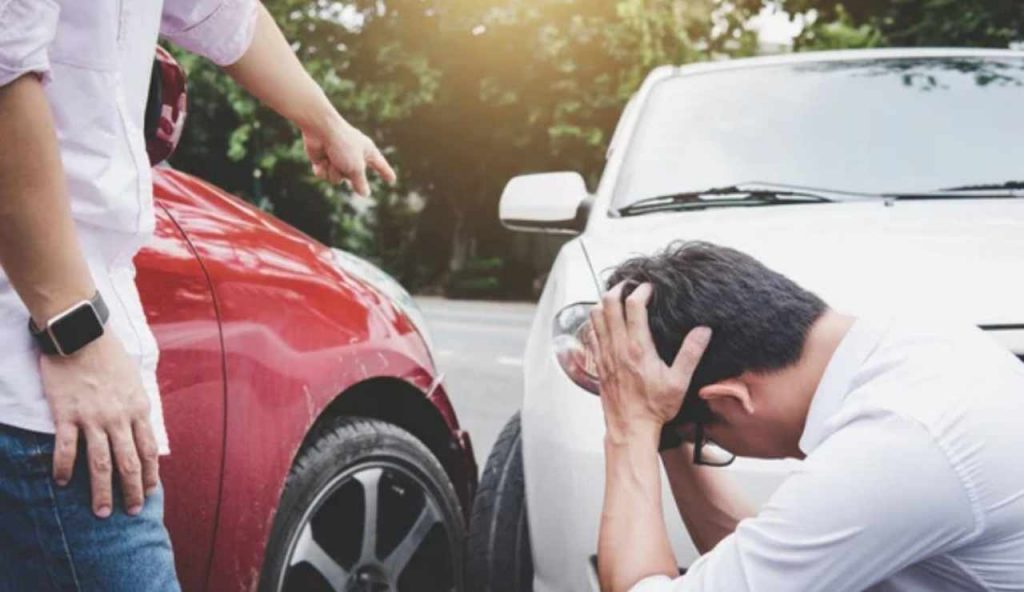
313,444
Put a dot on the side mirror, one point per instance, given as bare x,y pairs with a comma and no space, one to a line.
165,107
546,202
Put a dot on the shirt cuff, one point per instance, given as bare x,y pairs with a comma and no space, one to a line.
654,584
27,28
223,36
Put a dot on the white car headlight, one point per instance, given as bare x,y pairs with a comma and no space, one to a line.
387,285
576,345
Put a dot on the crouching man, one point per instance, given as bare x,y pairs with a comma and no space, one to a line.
911,435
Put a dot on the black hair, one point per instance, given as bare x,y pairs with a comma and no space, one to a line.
759,317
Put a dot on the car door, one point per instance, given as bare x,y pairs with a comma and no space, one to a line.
182,313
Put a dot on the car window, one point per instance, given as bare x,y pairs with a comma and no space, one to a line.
873,125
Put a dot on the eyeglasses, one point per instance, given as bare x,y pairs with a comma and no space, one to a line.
706,452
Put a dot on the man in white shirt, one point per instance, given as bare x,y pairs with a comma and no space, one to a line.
911,436
78,394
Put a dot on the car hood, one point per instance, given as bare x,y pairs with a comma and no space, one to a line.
951,259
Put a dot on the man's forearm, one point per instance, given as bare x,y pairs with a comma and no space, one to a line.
633,543
272,73
706,498
39,250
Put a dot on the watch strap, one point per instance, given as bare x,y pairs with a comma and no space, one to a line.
45,340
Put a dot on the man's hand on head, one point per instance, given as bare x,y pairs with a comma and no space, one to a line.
639,392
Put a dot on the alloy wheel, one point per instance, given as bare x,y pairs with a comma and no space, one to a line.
376,527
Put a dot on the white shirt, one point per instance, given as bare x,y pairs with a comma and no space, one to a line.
913,479
96,57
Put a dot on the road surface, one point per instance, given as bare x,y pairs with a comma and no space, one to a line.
479,346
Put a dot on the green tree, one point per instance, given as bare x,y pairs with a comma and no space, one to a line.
371,64
981,23
462,94
537,85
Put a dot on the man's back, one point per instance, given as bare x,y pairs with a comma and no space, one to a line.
966,394
910,481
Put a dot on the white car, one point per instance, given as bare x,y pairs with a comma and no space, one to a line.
883,180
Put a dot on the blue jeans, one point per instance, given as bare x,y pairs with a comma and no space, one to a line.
50,541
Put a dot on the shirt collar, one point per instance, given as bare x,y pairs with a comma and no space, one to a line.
836,382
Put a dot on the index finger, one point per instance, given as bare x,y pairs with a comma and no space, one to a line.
380,164
690,353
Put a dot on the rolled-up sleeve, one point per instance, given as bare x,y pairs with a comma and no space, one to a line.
219,30
873,499
27,28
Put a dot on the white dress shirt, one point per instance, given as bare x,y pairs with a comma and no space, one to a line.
96,57
913,478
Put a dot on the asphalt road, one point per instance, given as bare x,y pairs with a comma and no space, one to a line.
479,346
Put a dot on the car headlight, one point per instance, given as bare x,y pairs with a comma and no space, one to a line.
388,286
576,345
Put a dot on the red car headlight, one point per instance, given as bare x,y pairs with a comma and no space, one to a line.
576,345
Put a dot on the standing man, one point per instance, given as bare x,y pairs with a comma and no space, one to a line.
81,428
910,434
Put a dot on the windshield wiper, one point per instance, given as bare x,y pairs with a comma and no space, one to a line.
1006,189
1008,185
739,195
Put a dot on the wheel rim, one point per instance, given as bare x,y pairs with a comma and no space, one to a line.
377,527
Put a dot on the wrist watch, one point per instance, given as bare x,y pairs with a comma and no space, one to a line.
78,326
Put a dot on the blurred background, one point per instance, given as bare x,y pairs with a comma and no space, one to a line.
464,94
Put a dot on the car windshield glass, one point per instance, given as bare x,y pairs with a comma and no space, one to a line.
874,126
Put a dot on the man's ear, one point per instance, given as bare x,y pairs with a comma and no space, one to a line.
731,388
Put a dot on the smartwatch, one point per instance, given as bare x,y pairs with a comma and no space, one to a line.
78,326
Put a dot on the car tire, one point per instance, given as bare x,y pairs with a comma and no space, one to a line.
499,558
318,538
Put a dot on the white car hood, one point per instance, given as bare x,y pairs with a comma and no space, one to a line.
951,259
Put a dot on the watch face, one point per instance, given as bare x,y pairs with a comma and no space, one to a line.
76,329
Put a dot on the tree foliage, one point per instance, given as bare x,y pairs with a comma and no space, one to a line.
911,23
353,52
462,94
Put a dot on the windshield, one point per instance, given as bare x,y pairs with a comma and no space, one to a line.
868,126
